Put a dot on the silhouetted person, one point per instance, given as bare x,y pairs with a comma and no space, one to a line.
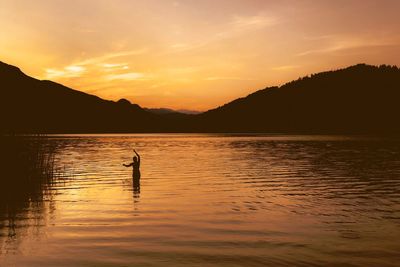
135,166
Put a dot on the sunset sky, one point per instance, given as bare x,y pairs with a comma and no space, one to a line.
193,54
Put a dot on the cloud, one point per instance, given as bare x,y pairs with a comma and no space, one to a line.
236,26
257,21
242,24
286,67
130,76
336,44
74,69
77,69
114,66
105,57
67,72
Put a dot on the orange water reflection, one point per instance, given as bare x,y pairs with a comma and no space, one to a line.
215,200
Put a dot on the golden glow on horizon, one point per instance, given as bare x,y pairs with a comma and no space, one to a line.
192,54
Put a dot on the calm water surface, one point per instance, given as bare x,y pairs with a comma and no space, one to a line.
211,200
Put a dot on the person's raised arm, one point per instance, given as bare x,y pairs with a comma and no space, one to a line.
137,155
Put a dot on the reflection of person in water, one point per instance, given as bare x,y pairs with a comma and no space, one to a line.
135,166
136,187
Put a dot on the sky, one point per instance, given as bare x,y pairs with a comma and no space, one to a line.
191,54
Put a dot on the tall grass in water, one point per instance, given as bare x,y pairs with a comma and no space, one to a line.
27,165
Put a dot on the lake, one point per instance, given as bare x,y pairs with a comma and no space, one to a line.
209,200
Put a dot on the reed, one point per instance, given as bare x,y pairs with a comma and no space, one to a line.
27,164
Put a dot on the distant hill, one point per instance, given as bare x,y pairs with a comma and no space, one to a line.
188,111
30,105
163,111
359,99
160,110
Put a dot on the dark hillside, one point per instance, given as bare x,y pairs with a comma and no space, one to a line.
358,99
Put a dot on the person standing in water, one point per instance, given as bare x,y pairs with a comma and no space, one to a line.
135,165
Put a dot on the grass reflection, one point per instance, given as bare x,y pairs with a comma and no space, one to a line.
28,169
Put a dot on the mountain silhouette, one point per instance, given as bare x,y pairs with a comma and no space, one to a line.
169,111
358,99
29,105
